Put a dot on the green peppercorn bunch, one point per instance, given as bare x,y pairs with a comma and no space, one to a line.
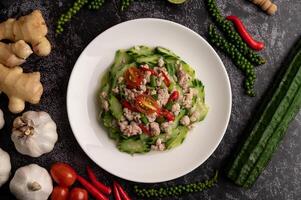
95,4
66,17
227,28
175,191
125,4
239,60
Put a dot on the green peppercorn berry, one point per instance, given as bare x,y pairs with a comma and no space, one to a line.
232,35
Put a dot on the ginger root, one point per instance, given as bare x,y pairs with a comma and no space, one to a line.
20,87
30,28
14,54
266,5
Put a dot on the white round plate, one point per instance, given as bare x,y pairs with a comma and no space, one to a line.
153,166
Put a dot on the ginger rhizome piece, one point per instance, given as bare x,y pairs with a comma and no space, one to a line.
20,87
14,54
30,28
267,5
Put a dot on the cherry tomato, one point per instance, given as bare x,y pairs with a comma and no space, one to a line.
78,194
63,174
133,77
174,96
146,104
59,193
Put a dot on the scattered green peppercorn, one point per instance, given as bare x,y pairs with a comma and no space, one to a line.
239,60
230,33
66,17
125,4
177,190
95,4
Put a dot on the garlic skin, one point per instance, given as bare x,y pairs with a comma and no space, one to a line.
34,133
31,182
5,167
1,119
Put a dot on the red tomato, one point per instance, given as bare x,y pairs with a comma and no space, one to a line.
59,193
133,77
63,174
78,194
146,104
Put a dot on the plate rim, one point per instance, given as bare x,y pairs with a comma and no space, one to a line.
214,147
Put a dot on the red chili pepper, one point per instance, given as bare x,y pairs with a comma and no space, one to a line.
91,189
127,105
244,34
153,72
174,96
99,185
144,129
168,115
122,192
116,192
166,79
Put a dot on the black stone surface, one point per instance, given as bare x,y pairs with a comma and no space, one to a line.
282,178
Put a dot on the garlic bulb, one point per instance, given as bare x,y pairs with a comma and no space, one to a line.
31,182
1,119
5,167
34,133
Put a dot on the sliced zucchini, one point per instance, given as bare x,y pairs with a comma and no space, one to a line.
153,59
120,73
121,58
132,146
166,52
178,136
201,108
140,51
115,107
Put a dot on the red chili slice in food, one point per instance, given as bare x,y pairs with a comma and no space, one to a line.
133,77
144,129
174,96
146,104
166,79
153,72
167,114
126,104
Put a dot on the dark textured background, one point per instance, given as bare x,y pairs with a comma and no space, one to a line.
281,179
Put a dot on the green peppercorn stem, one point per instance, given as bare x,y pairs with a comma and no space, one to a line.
66,17
125,4
177,190
238,59
227,28
95,4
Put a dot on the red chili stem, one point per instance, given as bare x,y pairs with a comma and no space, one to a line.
99,185
122,192
241,29
91,189
116,192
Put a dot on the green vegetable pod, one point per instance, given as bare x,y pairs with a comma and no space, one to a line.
227,28
270,127
238,59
